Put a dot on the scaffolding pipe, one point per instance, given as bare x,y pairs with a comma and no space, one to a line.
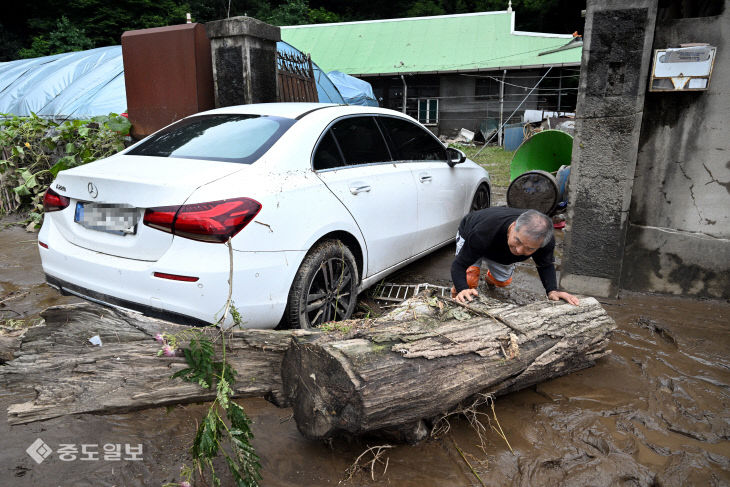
501,108
405,92
560,91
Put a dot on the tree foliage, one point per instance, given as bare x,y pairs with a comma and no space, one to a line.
37,30
66,37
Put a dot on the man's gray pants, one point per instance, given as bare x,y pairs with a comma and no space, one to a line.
500,272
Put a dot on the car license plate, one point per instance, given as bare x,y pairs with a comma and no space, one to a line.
110,218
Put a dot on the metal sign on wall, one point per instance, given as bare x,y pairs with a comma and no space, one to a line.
686,68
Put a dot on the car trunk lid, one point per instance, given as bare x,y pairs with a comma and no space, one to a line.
109,198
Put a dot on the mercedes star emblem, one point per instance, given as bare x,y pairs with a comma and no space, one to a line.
92,190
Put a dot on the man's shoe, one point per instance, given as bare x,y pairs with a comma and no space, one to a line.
489,279
472,276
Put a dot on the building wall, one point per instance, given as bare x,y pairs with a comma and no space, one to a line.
678,238
458,107
466,100
650,181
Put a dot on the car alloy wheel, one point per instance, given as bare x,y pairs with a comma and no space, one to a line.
325,286
481,198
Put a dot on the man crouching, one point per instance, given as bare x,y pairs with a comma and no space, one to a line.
499,237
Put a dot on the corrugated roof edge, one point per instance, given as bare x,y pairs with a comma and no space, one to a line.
457,71
403,19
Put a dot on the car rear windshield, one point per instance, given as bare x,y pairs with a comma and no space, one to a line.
225,137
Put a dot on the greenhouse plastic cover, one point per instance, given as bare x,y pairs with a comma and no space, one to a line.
71,85
325,88
355,91
84,84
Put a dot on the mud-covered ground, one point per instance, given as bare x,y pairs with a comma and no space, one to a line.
655,412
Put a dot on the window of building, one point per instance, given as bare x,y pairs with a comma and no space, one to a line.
428,111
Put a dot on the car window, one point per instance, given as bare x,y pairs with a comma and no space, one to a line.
411,142
327,155
225,137
360,140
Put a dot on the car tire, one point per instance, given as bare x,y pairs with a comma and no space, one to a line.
325,286
481,198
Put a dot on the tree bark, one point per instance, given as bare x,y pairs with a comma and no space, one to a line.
388,374
425,358
70,375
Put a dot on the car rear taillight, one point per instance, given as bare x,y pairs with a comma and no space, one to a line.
53,201
175,277
216,221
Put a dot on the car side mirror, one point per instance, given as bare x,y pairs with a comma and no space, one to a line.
454,156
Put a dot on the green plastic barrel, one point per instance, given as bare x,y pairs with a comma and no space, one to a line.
544,151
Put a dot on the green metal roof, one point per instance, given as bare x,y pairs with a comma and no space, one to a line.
446,43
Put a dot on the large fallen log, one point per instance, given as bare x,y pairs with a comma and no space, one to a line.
411,364
399,370
70,375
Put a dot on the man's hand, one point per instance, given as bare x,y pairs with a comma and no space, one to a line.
558,295
465,296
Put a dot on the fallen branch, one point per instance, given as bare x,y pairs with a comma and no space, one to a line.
377,452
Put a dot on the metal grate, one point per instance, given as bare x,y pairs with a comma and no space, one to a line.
396,293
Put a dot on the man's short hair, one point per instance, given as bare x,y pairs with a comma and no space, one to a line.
535,225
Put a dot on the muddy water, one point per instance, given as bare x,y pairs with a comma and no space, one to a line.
655,412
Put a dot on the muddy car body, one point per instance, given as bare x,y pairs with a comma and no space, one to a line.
318,202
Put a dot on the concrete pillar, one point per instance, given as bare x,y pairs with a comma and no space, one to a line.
614,69
244,60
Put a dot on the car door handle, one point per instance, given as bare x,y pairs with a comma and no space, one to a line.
425,178
359,188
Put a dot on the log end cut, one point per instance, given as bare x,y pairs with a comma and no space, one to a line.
321,390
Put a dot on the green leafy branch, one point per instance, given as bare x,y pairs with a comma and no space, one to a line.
225,429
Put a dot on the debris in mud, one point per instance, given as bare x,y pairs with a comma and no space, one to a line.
654,327
392,293
363,464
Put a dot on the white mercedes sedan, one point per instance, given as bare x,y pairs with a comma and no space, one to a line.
312,204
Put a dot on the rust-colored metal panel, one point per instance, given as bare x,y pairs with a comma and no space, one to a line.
168,75
295,78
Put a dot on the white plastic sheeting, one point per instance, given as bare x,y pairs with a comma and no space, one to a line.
84,84
71,85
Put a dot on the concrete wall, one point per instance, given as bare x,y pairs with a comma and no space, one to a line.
614,69
679,232
650,184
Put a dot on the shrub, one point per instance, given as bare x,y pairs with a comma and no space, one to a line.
33,150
